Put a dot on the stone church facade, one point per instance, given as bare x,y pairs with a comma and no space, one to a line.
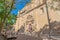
33,16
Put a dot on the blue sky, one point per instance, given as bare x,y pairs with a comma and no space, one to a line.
19,5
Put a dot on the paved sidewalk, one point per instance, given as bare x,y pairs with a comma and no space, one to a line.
26,37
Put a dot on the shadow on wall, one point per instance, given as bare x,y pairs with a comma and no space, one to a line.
55,29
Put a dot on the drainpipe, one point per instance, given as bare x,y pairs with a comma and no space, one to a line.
48,19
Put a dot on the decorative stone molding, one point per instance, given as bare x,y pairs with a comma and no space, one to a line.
30,22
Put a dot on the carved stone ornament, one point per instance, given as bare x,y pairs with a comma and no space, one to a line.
54,4
30,22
